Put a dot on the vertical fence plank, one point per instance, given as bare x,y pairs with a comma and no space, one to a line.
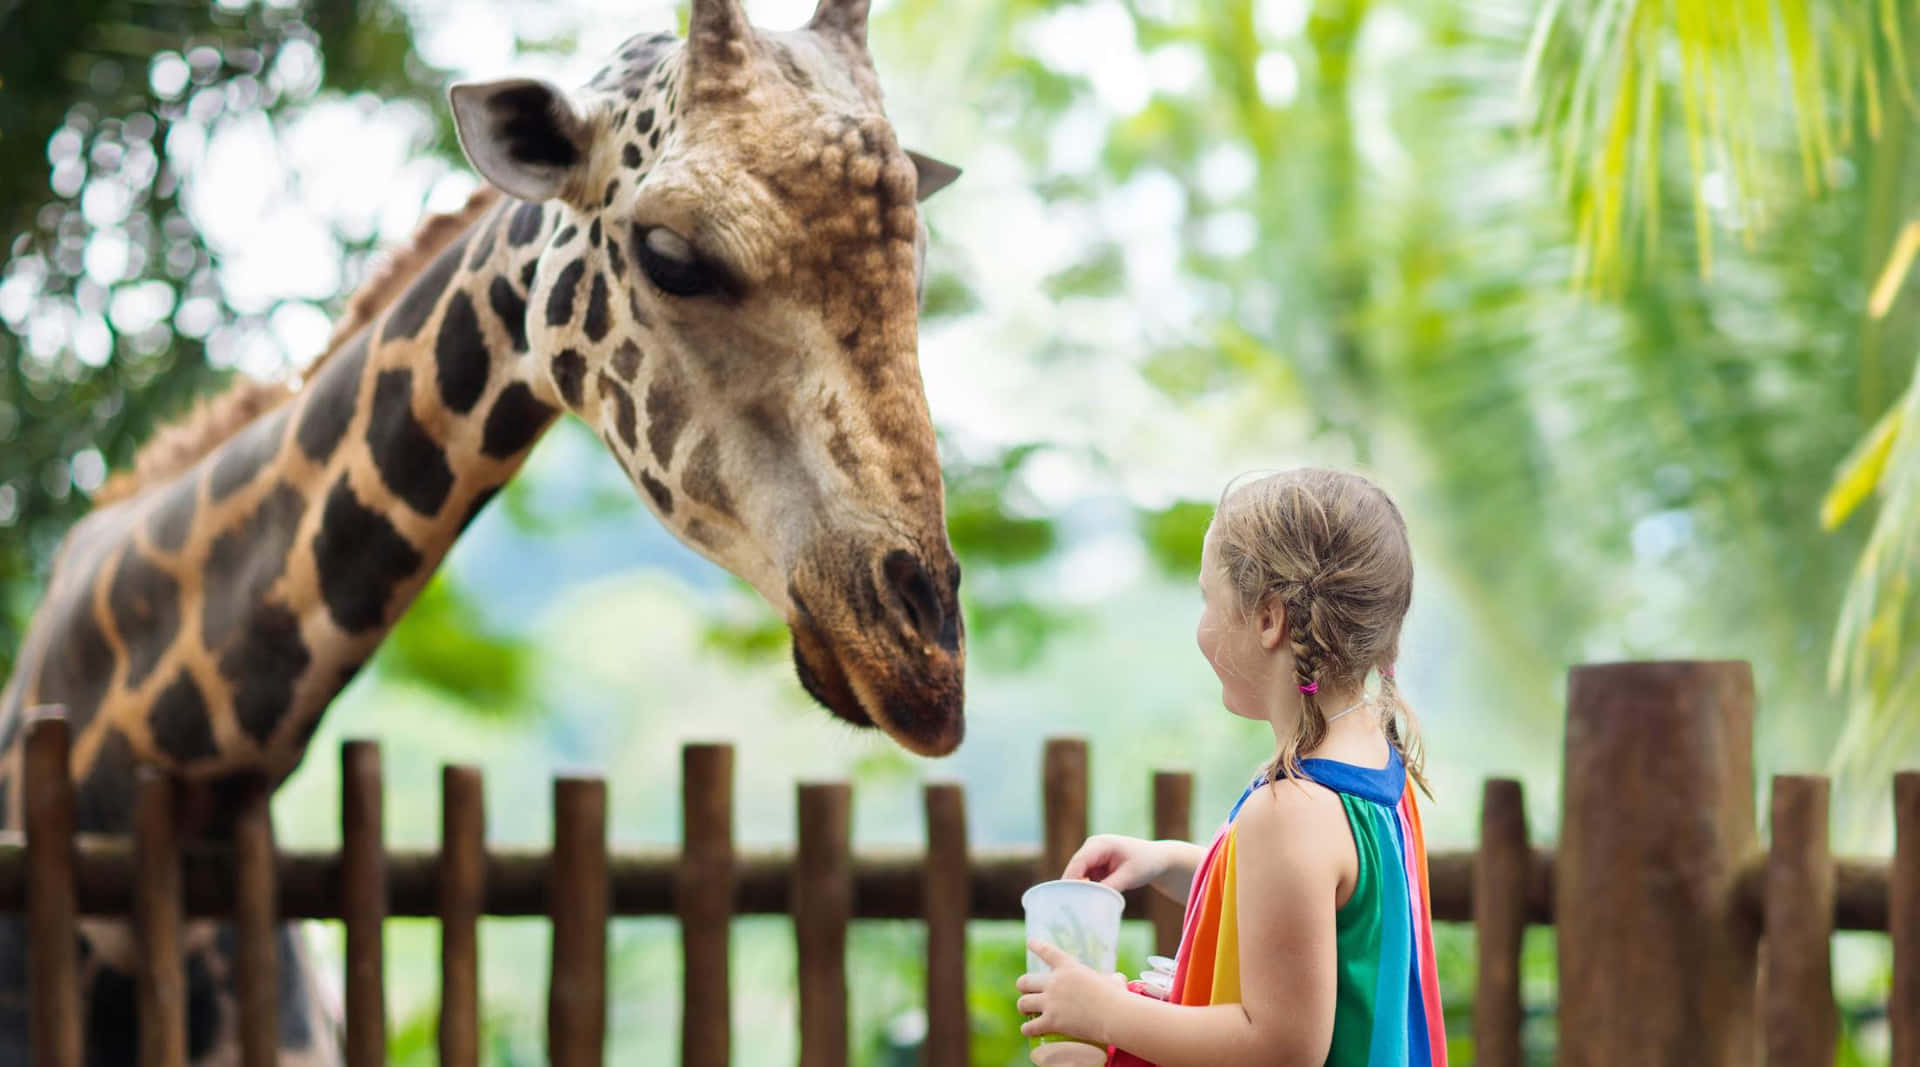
948,887
1800,1017
363,902
1903,919
257,966
1172,818
703,890
1500,872
577,993
53,1028
1063,786
822,907
1655,966
463,884
161,982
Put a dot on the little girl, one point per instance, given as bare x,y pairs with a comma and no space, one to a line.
1308,938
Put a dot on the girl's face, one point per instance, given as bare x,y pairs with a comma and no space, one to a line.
1241,650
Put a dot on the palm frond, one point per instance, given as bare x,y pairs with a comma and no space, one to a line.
1870,661
1600,74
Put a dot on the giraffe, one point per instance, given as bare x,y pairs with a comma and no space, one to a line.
711,253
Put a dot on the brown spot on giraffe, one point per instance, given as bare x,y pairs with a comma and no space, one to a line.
761,252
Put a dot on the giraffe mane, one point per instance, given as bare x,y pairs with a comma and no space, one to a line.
177,446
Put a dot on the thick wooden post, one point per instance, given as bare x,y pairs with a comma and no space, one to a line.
1656,965
948,892
1500,872
703,891
822,906
1801,1020
1063,790
255,918
463,890
161,981
578,896
1172,819
53,1028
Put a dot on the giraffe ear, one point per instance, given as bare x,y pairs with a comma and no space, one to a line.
521,134
934,175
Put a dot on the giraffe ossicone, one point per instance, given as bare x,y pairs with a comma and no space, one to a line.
712,254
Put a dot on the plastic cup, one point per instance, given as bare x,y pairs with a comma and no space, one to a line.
1083,920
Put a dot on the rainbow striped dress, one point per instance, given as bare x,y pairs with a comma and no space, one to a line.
1387,1002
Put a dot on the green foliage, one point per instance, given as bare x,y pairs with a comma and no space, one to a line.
1175,535
982,517
1101,273
947,296
1605,85
93,93
414,1040
759,637
1846,106
996,958
440,643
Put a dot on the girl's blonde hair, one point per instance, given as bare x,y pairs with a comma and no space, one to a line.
1331,549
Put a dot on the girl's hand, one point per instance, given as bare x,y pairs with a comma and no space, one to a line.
1072,999
1120,862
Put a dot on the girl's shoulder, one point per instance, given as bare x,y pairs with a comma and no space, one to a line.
1298,809
1294,832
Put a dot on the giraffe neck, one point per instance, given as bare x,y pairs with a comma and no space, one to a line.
205,624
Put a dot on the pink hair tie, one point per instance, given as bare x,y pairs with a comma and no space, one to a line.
1386,672
1310,687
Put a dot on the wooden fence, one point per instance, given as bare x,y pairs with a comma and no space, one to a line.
1660,894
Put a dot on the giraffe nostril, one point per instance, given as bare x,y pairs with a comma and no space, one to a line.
915,594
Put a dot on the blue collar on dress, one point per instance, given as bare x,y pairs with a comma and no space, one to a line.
1382,785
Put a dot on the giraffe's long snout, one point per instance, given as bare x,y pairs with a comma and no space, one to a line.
887,648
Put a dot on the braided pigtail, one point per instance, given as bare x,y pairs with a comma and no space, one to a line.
1403,731
1309,667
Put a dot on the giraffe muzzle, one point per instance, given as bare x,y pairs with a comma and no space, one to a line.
886,650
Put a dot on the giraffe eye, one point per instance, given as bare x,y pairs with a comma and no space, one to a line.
673,265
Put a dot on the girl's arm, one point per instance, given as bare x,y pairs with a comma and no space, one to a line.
1175,880
1293,847
1127,862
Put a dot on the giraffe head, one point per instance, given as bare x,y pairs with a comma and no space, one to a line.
726,289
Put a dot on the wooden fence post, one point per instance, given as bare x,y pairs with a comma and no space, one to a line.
162,975
948,892
1063,788
1172,818
822,906
1656,966
53,1028
1801,1021
363,902
258,963
1903,919
578,898
703,890
1501,869
463,882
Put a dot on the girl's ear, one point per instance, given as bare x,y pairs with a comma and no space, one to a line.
1273,625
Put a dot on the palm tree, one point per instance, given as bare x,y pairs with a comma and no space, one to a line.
1778,103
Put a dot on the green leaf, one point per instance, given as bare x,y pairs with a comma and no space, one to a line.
1860,472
